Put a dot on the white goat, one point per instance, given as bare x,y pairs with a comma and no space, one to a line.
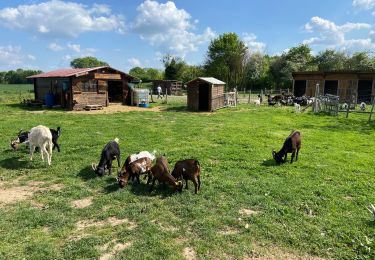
344,106
297,107
40,136
362,106
257,102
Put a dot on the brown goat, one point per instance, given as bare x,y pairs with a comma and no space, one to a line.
292,144
160,172
131,170
188,170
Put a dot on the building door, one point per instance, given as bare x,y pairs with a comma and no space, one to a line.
330,87
299,88
115,91
203,97
364,91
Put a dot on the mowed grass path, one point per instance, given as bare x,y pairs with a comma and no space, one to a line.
247,206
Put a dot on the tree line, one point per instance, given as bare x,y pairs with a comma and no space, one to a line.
229,60
18,76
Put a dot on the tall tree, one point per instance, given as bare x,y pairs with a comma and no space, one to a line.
330,60
146,74
256,71
87,62
174,67
226,57
361,61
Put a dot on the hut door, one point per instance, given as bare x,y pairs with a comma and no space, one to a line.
330,87
115,91
364,91
204,97
299,88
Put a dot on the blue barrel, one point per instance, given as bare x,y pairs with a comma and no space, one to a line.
50,100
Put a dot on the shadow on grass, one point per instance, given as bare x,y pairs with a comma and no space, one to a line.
32,108
269,163
14,163
87,173
175,109
160,189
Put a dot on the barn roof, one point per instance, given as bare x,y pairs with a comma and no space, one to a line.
210,80
65,73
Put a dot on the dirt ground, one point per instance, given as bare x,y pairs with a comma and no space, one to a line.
117,107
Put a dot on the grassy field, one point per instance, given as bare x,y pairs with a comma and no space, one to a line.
248,207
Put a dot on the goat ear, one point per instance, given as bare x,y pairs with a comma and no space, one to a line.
20,131
93,166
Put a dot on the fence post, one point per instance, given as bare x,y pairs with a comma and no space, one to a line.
372,109
249,100
316,98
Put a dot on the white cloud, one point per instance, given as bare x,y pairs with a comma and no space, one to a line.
55,47
168,28
253,45
12,57
67,57
364,4
74,47
331,35
134,62
31,57
61,19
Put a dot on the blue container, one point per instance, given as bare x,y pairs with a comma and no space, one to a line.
50,100
143,105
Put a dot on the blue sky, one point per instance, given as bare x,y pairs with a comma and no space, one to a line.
48,34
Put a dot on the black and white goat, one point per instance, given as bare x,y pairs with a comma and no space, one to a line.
23,136
110,152
362,106
40,136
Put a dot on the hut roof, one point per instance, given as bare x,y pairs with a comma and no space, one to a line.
64,73
210,80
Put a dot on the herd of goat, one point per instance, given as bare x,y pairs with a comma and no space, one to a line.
297,102
142,163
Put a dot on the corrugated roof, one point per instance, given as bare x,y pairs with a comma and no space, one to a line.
63,73
210,80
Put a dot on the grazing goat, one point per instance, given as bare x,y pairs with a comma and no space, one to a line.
110,152
257,102
362,106
188,170
292,145
134,166
270,101
22,137
344,106
160,172
40,136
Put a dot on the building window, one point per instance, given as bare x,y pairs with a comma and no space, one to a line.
89,86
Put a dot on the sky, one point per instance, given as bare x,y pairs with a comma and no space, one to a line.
48,34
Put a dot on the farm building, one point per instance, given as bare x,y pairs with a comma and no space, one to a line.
173,87
360,85
205,94
74,89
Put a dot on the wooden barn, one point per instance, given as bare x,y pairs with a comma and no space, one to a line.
205,94
173,87
340,83
75,89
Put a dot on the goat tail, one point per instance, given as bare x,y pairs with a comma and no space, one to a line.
117,140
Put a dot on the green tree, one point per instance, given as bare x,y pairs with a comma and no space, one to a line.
87,62
361,61
330,60
191,72
256,73
173,67
296,59
146,74
226,57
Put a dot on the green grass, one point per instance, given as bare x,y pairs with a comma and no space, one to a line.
316,206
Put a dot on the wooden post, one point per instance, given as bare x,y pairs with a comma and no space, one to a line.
166,96
372,109
249,100
316,98
350,103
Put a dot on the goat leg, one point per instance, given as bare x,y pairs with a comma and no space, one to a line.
32,149
199,182
285,156
297,154
152,185
109,165
195,181
293,154
118,161
186,186
138,180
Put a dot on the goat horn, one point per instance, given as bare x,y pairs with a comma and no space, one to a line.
93,166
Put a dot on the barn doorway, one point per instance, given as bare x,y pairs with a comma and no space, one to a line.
203,97
330,87
364,91
299,88
115,91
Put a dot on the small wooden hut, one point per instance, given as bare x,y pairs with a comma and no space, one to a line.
171,87
205,94
344,84
75,89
